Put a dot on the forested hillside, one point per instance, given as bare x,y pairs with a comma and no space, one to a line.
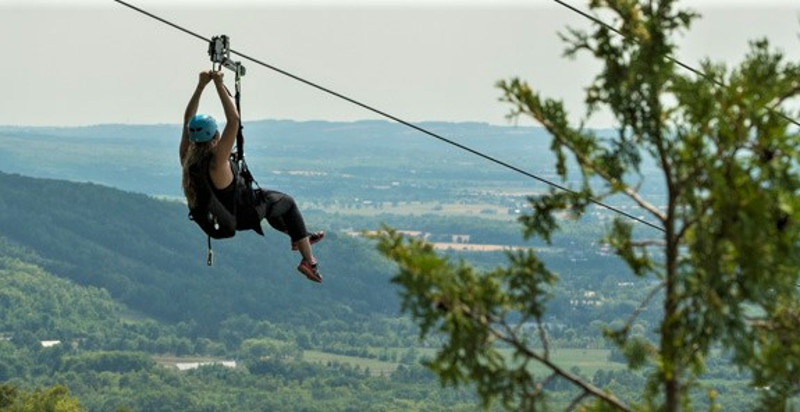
38,306
149,256
75,341
105,293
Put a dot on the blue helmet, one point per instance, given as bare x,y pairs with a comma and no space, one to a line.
202,128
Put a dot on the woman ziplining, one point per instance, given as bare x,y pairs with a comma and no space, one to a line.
413,126
219,190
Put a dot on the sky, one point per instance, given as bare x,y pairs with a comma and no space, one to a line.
85,62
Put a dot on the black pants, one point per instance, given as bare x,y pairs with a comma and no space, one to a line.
281,213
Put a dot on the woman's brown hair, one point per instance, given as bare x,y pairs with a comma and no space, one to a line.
196,153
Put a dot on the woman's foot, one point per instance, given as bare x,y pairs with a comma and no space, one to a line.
312,238
310,271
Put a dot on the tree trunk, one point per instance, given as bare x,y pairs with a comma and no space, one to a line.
670,339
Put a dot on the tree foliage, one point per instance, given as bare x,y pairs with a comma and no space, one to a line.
53,399
725,261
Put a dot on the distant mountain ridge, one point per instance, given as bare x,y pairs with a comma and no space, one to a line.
143,158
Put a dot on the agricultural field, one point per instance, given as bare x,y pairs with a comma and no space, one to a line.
587,361
435,208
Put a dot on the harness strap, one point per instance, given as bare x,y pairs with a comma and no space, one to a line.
210,260
239,156
239,135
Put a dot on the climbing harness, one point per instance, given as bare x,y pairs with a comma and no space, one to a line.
219,52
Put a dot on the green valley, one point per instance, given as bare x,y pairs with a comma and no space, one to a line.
105,292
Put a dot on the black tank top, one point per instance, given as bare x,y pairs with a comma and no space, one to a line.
226,196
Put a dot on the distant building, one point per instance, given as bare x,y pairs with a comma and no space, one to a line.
50,343
460,238
415,233
186,366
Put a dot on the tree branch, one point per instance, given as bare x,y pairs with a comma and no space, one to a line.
647,243
642,306
577,401
487,321
540,386
576,380
777,101
587,163
543,338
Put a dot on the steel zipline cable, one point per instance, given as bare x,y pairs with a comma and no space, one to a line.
398,120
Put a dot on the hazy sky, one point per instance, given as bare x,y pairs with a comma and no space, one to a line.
71,62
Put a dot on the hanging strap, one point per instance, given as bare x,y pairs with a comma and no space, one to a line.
239,157
210,260
239,135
